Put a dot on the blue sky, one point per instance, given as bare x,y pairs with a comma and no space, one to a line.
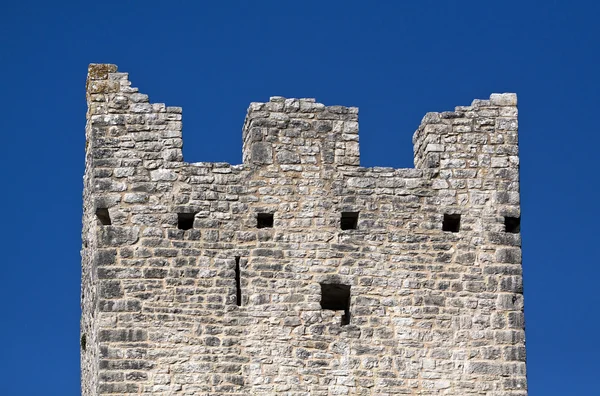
396,60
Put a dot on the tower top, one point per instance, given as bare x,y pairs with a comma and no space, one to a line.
299,272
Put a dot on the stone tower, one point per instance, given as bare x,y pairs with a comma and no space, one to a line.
299,272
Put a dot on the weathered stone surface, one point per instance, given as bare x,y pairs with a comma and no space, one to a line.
505,99
262,153
184,294
118,236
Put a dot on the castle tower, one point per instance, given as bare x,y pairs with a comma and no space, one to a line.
299,272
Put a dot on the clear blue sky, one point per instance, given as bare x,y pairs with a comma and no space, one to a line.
396,60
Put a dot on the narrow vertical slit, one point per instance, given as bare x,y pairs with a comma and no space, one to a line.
238,282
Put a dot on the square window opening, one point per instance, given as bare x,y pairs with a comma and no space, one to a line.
336,297
512,224
185,221
103,216
451,223
349,221
264,220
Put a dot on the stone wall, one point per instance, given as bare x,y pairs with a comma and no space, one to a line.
185,292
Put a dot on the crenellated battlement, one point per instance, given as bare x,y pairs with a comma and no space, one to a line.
292,132
486,124
299,272
298,131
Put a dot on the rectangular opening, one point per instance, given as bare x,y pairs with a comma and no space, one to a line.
336,297
264,220
512,224
451,223
238,282
103,216
349,220
185,221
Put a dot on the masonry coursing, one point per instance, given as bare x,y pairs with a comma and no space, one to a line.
431,312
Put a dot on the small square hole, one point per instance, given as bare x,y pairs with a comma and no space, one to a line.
451,223
336,297
185,221
103,216
512,225
264,220
349,220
